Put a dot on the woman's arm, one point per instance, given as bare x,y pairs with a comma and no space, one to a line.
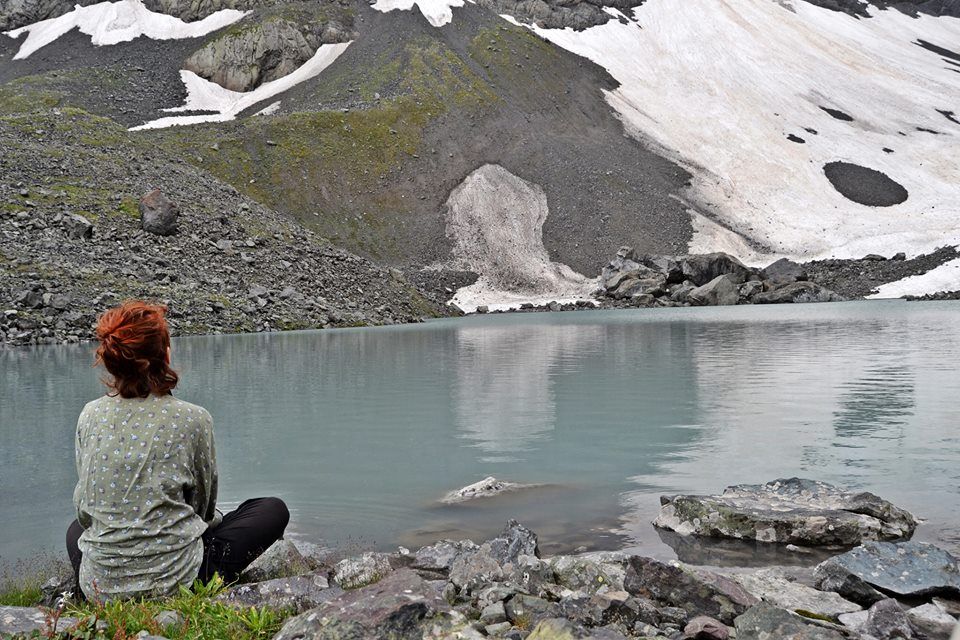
82,516
204,496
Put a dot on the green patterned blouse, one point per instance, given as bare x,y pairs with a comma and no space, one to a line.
147,491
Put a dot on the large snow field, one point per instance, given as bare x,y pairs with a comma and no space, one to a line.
720,84
437,12
110,23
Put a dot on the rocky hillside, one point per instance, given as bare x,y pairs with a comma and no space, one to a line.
406,133
71,244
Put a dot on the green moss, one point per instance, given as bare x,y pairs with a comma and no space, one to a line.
812,615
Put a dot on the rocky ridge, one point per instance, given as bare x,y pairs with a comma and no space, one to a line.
72,244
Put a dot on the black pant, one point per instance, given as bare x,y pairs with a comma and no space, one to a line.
229,547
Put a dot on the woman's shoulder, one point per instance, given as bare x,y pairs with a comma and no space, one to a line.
193,412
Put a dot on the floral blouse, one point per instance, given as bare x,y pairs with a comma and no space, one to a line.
147,491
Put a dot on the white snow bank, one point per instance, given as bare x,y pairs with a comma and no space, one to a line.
437,12
946,277
113,22
723,83
204,95
495,221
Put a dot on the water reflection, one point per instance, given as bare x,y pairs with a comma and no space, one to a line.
505,394
879,401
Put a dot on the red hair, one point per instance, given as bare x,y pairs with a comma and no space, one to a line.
134,339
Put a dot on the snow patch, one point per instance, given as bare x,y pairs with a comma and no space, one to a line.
722,84
270,109
437,12
110,23
204,95
495,221
946,277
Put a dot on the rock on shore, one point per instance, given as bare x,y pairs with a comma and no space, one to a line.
787,511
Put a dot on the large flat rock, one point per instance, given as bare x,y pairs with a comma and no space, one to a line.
24,621
787,511
901,569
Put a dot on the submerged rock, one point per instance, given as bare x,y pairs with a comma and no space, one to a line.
486,488
787,511
902,569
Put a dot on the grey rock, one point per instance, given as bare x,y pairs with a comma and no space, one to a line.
168,618
771,586
766,622
525,611
582,574
158,215
668,266
701,269
902,569
593,610
281,560
720,291
515,540
486,488
493,614
76,226
695,591
369,568
749,289
932,621
787,511
887,620
784,271
297,593
652,285
798,292
471,571
439,556
24,621
706,628
561,629
401,605
532,575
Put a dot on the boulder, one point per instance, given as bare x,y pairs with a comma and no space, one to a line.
532,575
701,269
633,287
932,620
705,628
887,620
28,622
515,540
750,288
561,629
901,569
787,511
77,226
471,571
297,593
353,573
525,611
771,586
720,291
281,560
158,215
668,266
766,622
697,592
402,605
583,574
798,292
439,557
784,271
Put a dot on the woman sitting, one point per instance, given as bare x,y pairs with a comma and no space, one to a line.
147,491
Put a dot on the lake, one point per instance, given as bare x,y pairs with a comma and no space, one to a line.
362,431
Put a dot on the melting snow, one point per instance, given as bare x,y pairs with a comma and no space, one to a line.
113,22
495,220
946,277
722,84
203,95
437,12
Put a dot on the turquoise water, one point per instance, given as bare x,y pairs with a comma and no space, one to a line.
362,431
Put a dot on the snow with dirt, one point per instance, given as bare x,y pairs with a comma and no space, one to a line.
110,23
720,86
437,12
946,277
495,220
204,95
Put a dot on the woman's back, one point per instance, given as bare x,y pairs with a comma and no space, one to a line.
146,491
